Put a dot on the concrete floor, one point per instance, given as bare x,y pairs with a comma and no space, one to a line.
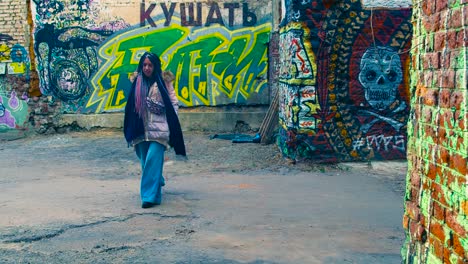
74,198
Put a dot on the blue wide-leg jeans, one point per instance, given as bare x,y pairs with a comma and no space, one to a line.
151,155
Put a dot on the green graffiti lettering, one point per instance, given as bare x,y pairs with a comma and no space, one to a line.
189,62
215,64
234,65
120,60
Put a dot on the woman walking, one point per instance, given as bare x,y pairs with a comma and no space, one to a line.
151,124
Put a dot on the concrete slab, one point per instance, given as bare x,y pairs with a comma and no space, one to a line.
213,121
74,198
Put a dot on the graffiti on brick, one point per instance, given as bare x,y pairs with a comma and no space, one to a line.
380,143
219,55
5,47
62,13
65,41
298,95
298,104
380,75
13,57
13,110
67,58
213,65
360,78
296,58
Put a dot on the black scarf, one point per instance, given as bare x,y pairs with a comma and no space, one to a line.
133,124
134,127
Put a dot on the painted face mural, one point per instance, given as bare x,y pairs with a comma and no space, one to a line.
380,75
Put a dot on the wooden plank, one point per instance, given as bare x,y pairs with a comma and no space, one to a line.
270,121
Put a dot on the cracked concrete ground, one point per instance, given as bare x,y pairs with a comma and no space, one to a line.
73,198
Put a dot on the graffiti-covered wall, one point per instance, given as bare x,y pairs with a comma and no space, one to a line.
86,50
344,79
14,65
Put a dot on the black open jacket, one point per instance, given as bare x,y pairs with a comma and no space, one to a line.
133,123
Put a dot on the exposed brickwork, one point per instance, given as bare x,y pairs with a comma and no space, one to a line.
44,111
436,192
13,14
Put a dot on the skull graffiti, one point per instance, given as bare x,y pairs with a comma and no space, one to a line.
380,75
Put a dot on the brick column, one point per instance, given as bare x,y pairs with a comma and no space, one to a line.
436,200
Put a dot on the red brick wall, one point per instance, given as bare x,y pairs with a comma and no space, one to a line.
336,103
436,200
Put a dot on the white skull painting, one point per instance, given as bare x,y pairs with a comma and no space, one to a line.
380,75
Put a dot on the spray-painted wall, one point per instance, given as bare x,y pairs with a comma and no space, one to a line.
86,50
14,65
343,79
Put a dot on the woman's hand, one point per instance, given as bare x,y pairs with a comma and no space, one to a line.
168,76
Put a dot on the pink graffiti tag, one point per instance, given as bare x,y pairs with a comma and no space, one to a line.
14,101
